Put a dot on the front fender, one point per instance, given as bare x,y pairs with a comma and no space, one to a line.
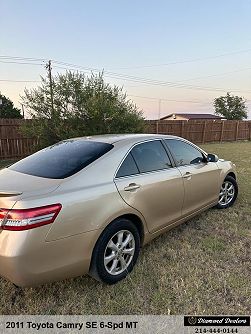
226,167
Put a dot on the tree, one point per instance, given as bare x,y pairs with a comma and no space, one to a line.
7,109
82,106
231,107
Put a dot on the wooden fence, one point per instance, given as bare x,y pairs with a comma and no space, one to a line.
203,131
14,145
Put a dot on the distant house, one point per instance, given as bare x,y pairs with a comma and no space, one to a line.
187,117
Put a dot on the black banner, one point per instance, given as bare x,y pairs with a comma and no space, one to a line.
216,321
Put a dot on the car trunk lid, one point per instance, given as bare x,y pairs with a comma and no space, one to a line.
16,186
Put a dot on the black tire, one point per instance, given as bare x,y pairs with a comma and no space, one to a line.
231,180
98,269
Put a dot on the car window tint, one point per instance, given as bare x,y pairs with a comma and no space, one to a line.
184,153
128,167
62,159
151,156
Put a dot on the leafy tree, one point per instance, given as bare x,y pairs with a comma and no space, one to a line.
82,106
7,109
231,107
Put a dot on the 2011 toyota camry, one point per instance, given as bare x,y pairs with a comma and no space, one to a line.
87,205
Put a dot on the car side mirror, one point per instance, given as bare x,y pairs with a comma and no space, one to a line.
212,157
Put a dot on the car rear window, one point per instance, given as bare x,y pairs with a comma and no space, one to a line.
62,159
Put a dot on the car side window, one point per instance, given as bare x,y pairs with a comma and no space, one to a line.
184,153
151,156
128,167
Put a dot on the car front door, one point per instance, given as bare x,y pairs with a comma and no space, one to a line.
201,178
148,182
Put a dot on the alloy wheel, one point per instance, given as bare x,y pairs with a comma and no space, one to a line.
227,193
119,252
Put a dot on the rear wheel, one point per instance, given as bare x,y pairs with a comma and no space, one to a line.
116,252
228,193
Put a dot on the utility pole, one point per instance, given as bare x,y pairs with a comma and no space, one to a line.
48,67
157,127
159,109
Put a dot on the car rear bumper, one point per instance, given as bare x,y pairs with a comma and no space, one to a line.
26,259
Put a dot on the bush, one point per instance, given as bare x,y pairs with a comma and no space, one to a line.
82,106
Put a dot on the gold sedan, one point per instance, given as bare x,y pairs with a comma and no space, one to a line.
87,205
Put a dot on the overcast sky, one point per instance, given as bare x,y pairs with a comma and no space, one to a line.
198,49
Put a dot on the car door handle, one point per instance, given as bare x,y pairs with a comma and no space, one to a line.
187,175
131,187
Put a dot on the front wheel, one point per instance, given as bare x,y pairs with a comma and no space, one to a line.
228,193
116,252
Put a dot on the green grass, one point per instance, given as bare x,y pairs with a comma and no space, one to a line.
200,267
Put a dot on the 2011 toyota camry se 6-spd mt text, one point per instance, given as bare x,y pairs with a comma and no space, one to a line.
87,205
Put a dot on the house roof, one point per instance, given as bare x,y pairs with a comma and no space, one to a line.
194,116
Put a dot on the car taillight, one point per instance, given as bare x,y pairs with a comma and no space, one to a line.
25,219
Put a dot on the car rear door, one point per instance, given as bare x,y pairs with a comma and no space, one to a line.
148,182
201,178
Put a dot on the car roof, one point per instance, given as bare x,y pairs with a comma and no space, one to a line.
114,138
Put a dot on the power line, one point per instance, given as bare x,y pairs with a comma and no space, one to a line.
146,97
148,81
77,66
5,80
72,69
211,75
22,58
142,66
216,75
185,61
176,85
21,63
163,99
96,69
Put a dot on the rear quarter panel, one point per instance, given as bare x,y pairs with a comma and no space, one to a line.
87,209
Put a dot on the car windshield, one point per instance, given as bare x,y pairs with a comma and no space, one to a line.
62,159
